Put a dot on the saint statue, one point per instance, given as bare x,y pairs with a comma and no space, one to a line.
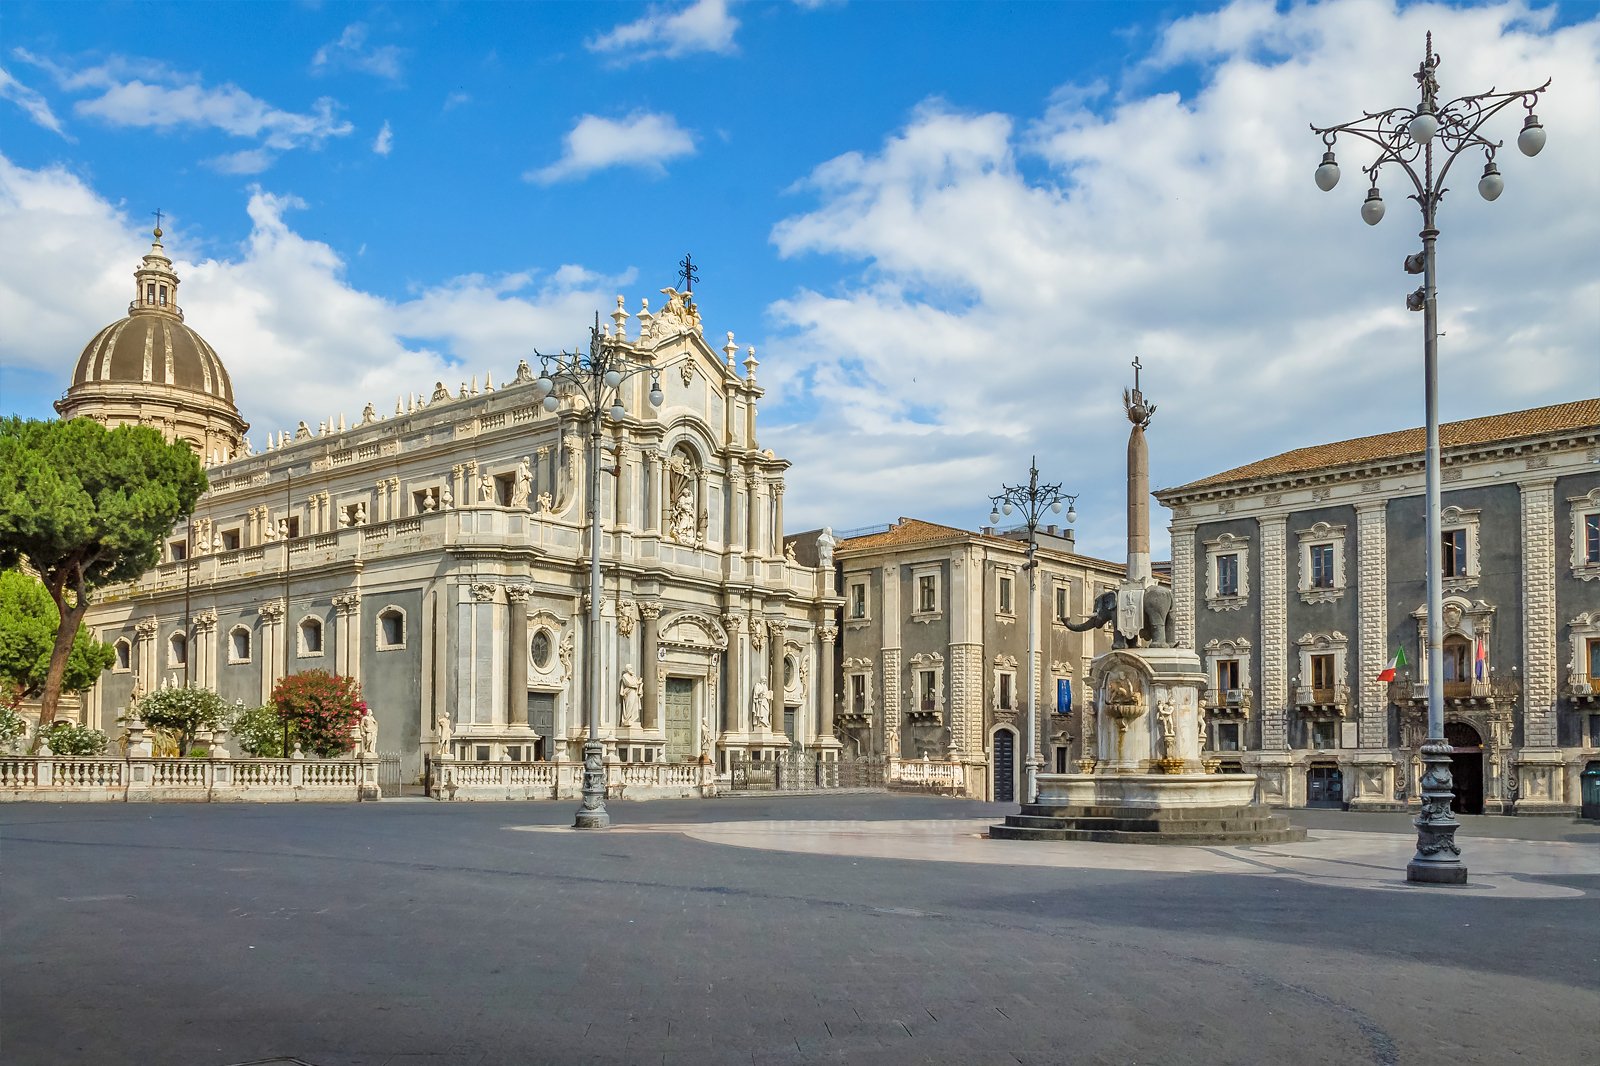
486,488
761,706
632,688
368,732
441,726
523,487
825,546
683,517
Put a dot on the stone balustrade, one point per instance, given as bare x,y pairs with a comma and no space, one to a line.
926,775
70,779
462,780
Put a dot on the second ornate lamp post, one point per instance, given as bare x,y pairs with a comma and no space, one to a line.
593,378
1032,499
1407,137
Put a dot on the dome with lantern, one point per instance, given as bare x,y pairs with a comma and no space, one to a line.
151,368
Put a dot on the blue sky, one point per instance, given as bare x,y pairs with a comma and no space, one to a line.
946,228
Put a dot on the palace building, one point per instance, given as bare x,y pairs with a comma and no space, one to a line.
1301,576
439,554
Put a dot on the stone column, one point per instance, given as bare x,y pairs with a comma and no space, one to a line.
738,504
1372,598
753,516
652,502
1539,613
1274,634
775,632
1183,584
828,633
649,657
733,716
517,654
272,647
775,549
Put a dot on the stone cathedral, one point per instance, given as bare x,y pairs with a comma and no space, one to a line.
439,553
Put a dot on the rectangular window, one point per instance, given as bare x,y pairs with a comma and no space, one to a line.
180,551
927,593
1228,736
1227,676
230,540
1593,656
858,599
858,693
1063,607
480,752
150,293
1322,566
1005,595
292,527
1456,661
1591,538
1006,682
928,688
1322,672
504,485
1453,553
1228,575
1323,735
163,298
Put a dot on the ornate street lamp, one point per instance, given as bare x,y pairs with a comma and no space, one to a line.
1408,138
593,379
1032,499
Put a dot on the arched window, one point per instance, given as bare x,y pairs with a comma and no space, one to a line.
239,644
177,649
124,655
310,637
391,628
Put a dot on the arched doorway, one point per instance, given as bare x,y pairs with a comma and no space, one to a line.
1005,766
1466,767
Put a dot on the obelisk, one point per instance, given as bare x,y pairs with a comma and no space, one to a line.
1139,413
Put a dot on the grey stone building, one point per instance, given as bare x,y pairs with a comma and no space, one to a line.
1299,577
933,647
439,554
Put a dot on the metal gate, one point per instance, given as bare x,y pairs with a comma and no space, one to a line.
1004,766
391,775
861,772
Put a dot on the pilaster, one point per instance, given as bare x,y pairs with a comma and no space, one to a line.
1183,587
1274,633
517,654
1539,612
649,617
1372,576
827,634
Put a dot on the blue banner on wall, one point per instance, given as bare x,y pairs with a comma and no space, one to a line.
1063,695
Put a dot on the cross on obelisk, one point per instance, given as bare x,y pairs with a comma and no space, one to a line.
688,273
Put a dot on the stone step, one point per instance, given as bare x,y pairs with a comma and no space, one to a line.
1153,814
1285,835
1250,823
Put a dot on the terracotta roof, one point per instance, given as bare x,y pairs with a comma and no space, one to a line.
1577,416
906,532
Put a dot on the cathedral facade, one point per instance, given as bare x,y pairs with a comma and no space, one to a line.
439,554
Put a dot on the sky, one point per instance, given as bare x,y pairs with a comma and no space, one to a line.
947,228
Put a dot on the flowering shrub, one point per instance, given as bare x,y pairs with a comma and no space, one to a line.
70,738
182,712
12,729
258,731
322,710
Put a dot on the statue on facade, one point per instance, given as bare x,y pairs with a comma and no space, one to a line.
524,373
523,487
706,738
684,524
441,727
632,690
367,732
486,488
825,545
440,392
761,706
369,415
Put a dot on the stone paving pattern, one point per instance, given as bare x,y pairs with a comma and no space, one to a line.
430,934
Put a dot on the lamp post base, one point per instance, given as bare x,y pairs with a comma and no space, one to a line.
1438,857
592,814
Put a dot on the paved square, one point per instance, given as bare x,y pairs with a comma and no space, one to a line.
782,930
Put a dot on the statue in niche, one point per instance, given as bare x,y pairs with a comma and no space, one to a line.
523,486
683,523
367,732
486,488
761,706
683,517
632,690
441,726
1169,732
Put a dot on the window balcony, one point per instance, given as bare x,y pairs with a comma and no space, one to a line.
1322,701
1230,703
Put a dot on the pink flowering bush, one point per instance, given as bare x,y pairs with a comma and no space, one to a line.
322,711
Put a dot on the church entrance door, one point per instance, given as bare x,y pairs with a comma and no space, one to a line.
679,716
1466,767
1005,766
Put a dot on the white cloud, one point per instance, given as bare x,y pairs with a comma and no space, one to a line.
456,99
148,95
351,52
36,106
995,312
643,140
703,26
385,141
278,309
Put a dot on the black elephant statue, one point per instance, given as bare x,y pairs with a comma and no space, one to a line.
1156,632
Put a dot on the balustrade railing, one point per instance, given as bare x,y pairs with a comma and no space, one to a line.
63,777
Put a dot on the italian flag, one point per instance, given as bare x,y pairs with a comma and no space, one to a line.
1398,661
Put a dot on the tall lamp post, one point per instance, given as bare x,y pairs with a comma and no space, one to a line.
1032,499
1408,138
595,378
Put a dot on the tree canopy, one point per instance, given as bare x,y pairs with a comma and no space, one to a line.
29,622
86,506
